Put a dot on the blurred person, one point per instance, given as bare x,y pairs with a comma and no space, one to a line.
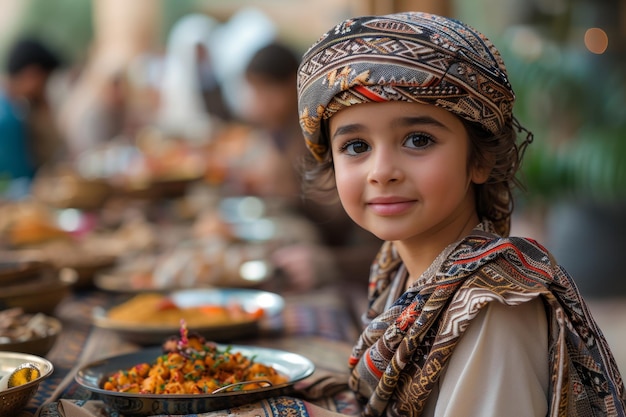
29,65
271,107
191,105
233,44
96,110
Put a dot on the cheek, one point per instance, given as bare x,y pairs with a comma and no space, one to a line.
349,187
447,177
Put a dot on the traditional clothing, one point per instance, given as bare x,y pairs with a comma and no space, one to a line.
406,346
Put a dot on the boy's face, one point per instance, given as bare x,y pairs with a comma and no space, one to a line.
402,170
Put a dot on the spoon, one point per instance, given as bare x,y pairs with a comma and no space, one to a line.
21,375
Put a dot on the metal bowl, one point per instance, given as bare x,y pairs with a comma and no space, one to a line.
14,400
39,346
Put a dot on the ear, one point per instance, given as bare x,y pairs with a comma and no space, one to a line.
481,170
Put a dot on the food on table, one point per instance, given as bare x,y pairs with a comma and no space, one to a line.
207,262
166,157
192,365
15,326
27,223
21,375
62,187
72,254
157,309
134,235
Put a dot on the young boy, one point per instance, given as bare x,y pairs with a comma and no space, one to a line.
411,115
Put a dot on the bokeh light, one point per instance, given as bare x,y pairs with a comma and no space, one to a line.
596,40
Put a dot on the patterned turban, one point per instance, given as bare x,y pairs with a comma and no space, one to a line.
413,57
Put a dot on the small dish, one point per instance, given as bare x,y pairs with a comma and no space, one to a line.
40,345
14,400
250,300
92,376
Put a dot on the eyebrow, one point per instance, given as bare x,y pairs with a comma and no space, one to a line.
418,120
399,122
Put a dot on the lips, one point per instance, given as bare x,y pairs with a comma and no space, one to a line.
390,206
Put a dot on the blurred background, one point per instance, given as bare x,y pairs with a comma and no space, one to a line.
565,60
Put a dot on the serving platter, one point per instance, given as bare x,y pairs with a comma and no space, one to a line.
91,376
249,299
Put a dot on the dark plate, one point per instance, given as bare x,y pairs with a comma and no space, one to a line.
91,376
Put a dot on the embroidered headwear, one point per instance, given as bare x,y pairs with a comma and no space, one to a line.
411,56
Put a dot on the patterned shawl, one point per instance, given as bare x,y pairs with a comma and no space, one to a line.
400,355
410,56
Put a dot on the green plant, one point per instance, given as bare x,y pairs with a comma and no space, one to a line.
576,107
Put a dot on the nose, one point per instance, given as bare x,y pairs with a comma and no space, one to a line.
384,167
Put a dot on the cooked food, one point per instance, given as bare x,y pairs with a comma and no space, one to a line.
191,365
16,326
156,309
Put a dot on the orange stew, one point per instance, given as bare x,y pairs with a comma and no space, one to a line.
198,368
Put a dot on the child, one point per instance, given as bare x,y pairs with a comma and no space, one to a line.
411,114
271,107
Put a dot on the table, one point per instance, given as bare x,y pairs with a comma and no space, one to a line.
319,325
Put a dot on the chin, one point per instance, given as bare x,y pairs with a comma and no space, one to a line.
389,235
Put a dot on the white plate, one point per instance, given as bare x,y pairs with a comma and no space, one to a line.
92,376
251,300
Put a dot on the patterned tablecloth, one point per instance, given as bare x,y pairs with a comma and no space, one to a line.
319,325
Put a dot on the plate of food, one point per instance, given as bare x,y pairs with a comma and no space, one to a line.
207,263
189,375
35,334
220,314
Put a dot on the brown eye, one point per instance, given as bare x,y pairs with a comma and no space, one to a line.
355,147
418,141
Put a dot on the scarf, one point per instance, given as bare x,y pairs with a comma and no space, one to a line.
406,346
